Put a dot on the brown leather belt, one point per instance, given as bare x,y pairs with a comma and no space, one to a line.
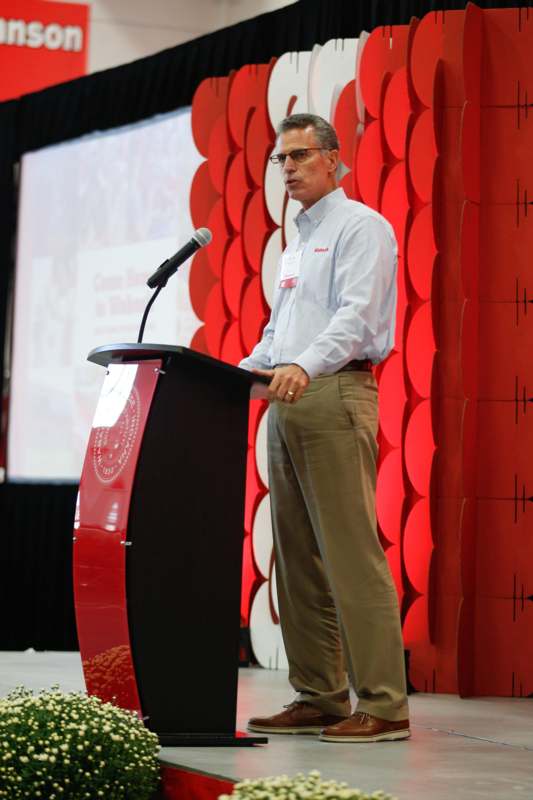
364,365
357,365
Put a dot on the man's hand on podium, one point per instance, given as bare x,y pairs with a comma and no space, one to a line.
288,383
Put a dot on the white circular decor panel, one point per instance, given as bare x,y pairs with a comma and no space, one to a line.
262,537
261,456
289,226
288,79
269,265
274,590
274,190
332,67
360,103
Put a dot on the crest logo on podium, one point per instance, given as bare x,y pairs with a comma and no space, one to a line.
113,445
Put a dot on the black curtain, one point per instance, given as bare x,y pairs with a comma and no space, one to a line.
36,607
36,595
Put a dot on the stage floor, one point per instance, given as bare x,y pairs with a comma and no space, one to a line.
479,749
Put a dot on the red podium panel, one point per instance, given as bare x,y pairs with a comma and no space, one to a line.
101,531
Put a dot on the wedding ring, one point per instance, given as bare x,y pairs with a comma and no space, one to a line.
291,394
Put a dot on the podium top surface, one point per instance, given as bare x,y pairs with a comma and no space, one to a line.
124,352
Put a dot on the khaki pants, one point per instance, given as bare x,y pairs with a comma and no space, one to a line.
337,600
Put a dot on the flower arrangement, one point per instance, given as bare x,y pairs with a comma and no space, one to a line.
301,787
68,745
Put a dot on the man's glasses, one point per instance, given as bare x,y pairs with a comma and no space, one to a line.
298,156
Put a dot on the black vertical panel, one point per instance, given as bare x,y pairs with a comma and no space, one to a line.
36,592
184,563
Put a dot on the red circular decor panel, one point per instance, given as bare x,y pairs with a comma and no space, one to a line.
415,626
231,350
234,275
218,225
249,578
384,52
346,121
201,281
419,448
426,49
256,227
356,193
420,350
422,155
198,341
470,139
257,409
418,545
473,45
346,183
390,495
392,399
237,190
248,90
215,320
253,314
370,168
241,101
208,103
470,224
258,143
371,72
470,448
469,349
421,252
395,202
219,153
396,113
401,307
203,196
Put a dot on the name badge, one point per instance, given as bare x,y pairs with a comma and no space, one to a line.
290,269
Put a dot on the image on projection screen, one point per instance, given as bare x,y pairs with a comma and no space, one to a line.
96,217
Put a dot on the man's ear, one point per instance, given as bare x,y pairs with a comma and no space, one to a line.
333,156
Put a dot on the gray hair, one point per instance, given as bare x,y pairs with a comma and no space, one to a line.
325,133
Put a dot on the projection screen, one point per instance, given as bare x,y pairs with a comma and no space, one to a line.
96,217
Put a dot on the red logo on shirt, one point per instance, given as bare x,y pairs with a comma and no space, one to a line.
321,249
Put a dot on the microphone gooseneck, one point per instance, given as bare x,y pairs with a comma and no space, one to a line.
159,279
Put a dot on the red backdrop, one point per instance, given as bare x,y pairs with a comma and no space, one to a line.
435,126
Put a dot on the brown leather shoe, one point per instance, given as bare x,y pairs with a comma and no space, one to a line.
361,727
296,718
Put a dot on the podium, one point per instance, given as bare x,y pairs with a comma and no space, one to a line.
158,540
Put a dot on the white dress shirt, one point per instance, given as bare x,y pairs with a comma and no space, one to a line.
342,305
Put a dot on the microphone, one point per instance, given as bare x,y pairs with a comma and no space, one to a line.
200,238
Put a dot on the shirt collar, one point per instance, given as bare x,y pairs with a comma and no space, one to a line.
321,208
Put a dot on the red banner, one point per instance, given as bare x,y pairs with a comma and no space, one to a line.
41,43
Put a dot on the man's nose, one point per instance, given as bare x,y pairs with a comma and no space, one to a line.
289,165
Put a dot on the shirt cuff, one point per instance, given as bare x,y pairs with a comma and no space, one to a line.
313,365
250,363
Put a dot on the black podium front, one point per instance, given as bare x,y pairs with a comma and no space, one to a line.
158,540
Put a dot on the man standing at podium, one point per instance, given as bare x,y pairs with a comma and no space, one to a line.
332,318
